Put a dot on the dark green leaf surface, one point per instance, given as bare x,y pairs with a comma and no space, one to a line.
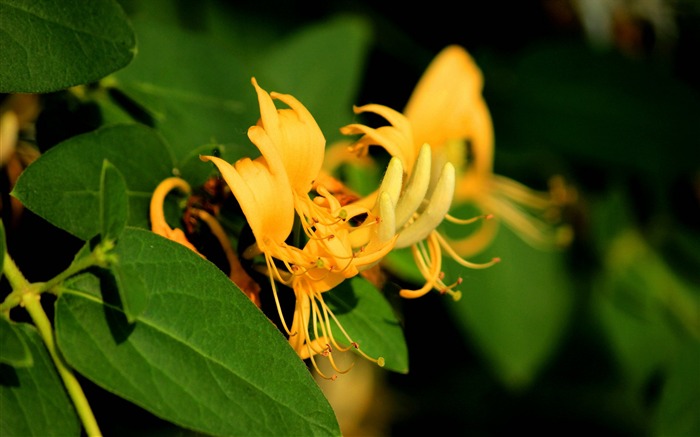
307,66
33,399
48,46
680,401
367,316
114,202
597,107
641,319
201,355
194,92
13,348
63,185
515,311
133,292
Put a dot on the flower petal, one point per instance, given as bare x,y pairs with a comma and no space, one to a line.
447,104
438,206
295,134
416,188
268,206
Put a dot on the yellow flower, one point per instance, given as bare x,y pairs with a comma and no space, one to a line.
272,190
448,111
423,198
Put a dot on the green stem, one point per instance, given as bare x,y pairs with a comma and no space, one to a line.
75,267
30,299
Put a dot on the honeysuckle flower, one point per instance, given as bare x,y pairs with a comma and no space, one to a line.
423,198
275,188
448,111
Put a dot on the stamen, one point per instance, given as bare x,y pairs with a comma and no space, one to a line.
521,194
319,372
335,366
430,273
468,221
272,267
329,315
463,261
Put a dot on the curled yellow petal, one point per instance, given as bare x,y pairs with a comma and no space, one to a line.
267,206
447,104
295,135
157,216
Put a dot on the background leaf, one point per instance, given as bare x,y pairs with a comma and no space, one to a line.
63,185
306,65
191,90
635,105
680,400
33,399
48,46
515,311
645,323
201,355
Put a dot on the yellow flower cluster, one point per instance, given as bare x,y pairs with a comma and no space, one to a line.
445,124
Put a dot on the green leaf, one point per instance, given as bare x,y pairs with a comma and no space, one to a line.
194,92
643,306
114,202
33,399
677,413
515,311
321,65
640,300
63,185
13,349
131,284
640,340
368,317
201,355
48,46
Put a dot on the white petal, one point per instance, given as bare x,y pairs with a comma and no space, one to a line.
392,181
438,206
416,188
